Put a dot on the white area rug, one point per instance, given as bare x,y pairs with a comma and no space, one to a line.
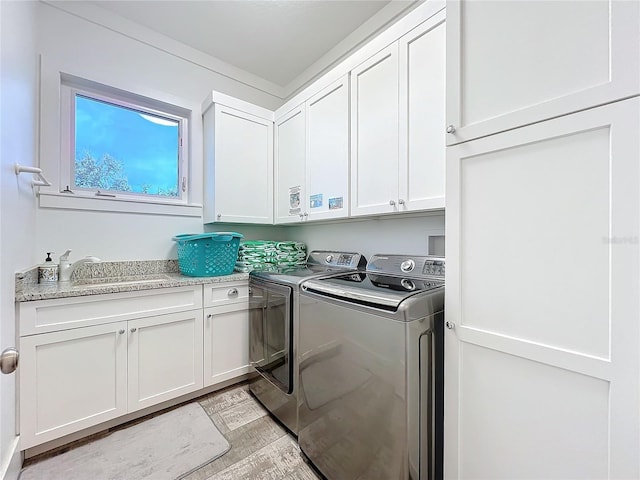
165,447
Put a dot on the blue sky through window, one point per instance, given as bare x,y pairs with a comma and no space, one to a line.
144,147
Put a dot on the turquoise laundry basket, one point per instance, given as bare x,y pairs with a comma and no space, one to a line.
207,254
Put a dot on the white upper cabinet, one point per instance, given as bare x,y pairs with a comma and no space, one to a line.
328,152
511,64
312,157
290,166
397,112
422,112
238,183
374,134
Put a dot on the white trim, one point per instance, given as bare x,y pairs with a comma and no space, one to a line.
151,38
52,71
12,463
78,202
228,101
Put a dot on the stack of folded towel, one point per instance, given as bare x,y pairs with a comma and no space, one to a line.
269,255
291,254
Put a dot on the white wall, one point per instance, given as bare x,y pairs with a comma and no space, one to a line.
18,101
72,41
389,234
110,57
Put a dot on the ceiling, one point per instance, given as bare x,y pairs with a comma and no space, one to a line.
274,39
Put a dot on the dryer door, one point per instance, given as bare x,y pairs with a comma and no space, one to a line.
270,337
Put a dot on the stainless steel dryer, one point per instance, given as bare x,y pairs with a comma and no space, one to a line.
273,316
371,370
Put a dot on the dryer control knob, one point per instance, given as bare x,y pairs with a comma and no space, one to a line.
407,265
329,258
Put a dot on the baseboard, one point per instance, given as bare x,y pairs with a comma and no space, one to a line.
13,464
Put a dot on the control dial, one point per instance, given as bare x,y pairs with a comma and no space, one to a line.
329,258
407,265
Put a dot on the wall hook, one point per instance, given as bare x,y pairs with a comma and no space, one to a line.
36,182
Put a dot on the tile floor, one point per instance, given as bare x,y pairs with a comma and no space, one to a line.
261,449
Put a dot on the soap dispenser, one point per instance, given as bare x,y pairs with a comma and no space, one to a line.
48,271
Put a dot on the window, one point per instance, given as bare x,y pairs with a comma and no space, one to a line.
117,145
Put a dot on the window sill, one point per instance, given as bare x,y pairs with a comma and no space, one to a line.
79,202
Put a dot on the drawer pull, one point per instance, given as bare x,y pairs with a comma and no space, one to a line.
133,329
232,292
121,331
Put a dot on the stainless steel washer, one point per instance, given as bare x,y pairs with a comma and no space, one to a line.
371,370
273,316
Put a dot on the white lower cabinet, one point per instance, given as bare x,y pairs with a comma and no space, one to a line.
134,350
165,358
70,380
543,340
77,378
226,343
91,359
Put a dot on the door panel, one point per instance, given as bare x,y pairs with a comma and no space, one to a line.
543,272
271,322
71,380
374,134
165,357
503,73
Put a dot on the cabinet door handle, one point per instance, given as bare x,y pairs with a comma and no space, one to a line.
121,331
306,214
233,292
209,316
392,202
133,329
401,202
451,129
219,216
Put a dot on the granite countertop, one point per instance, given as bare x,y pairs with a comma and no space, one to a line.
112,277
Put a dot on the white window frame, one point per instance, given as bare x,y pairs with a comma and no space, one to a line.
57,79
69,88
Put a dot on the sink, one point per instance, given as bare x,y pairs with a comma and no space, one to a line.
118,281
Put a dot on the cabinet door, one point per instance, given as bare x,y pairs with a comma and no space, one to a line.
543,274
165,357
226,343
71,380
290,162
514,63
374,134
422,104
243,167
328,152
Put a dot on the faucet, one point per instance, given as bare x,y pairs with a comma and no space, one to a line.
67,268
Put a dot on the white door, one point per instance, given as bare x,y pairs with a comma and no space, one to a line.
243,167
374,134
542,365
290,161
328,152
422,104
165,357
71,380
512,63
226,343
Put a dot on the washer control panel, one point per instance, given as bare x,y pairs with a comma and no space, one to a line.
411,266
